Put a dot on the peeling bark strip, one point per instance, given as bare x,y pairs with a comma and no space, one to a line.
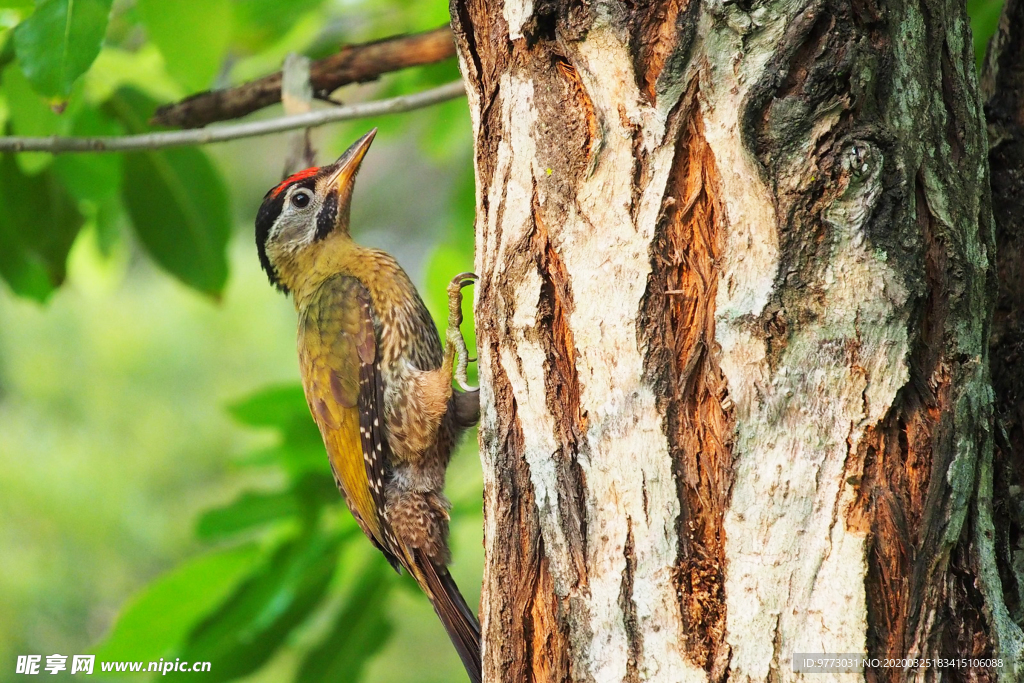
732,323
677,325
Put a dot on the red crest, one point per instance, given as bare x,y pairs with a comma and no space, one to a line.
294,178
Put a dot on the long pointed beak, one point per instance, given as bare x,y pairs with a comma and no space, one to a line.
348,163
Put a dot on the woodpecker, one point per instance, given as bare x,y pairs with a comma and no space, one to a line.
376,378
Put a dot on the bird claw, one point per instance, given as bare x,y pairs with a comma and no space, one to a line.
456,343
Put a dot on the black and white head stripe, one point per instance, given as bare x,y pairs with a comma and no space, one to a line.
327,218
270,211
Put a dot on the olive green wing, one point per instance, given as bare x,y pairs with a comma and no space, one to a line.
341,377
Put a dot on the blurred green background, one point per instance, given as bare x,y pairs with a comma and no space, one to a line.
163,491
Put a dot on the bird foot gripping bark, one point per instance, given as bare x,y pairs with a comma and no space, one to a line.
455,343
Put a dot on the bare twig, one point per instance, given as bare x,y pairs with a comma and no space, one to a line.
353,64
204,136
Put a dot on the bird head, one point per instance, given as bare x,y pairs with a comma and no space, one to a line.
305,209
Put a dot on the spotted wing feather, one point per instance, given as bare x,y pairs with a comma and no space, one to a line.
377,452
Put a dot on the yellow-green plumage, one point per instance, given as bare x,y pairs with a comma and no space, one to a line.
335,339
377,381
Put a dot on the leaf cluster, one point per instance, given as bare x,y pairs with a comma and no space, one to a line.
287,569
99,67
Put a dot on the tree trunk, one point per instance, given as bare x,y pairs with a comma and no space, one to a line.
733,327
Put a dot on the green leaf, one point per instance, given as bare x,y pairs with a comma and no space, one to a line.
447,134
249,510
177,202
192,35
141,69
108,219
316,490
179,208
409,16
23,271
94,178
250,627
295,458
259,23
273,407
30,115
59,42
157,620
984,16
360,630
38,225
283,408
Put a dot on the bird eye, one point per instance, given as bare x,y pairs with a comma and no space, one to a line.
301,199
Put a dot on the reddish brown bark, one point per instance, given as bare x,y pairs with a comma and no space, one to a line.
678,323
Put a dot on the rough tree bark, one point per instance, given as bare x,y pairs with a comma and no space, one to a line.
733,327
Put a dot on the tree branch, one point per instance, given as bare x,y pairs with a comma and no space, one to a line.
353,64
203,136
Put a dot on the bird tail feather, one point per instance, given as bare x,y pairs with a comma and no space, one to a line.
459,620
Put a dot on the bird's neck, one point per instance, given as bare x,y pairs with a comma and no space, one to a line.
340,255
